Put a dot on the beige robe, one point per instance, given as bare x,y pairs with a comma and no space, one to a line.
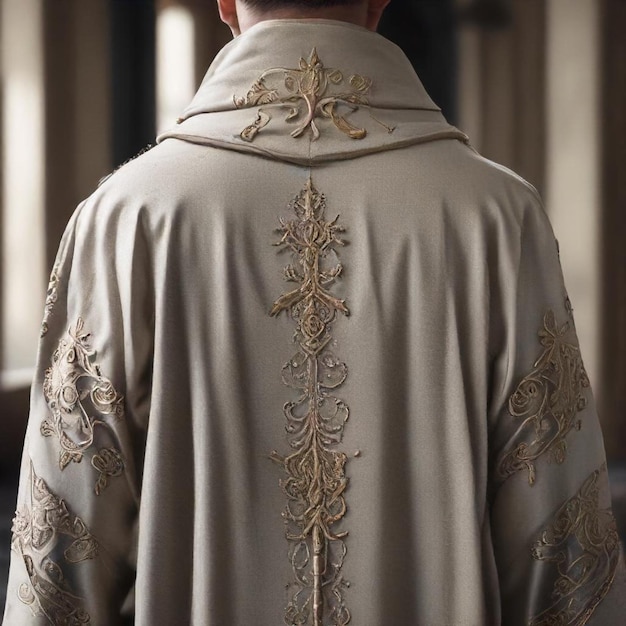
312,242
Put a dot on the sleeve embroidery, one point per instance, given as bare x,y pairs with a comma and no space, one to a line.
38,529
315,478
51,298
547,401
307,91
80,398
582,547
109,463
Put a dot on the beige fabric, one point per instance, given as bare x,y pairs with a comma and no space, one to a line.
477,493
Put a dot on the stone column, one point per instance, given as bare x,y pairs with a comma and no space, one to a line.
56,133
502,83
573,161
613,261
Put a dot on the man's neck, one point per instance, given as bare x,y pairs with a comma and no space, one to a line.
346,13
240,16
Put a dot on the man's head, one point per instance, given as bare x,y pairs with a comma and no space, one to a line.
240,15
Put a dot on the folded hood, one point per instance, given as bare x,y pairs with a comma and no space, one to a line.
311,91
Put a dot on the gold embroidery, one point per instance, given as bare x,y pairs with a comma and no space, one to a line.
37,531
110,464
316,479
547,400
79,397
51,298
583,544
306,91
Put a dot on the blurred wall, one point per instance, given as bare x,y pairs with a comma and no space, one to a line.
502,81
426,30
573,195
59,53
542,90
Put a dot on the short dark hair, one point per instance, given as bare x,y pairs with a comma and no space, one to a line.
268,5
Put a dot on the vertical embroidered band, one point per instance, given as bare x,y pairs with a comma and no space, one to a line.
315,479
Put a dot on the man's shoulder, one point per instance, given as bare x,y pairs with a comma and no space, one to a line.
154,168
496,173
455,175
146,185
465,165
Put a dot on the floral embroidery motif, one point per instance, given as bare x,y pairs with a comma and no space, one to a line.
315,477
79,397
306,91
583,544
51,298
38,529
109,463
547,400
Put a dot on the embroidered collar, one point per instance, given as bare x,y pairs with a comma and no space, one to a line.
309,91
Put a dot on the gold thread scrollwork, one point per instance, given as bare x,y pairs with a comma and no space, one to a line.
109,463
315,479
547,401
79,398
582,544
310,92
38,529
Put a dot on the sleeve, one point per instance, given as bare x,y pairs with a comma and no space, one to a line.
74,532
556,544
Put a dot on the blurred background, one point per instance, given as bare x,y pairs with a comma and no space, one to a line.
538,85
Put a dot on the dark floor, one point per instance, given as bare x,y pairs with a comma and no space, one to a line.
8,496
7,507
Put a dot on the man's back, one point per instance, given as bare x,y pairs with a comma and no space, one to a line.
423,300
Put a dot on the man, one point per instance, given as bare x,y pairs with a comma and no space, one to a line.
312,242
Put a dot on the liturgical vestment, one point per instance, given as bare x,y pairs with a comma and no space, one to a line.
310,361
